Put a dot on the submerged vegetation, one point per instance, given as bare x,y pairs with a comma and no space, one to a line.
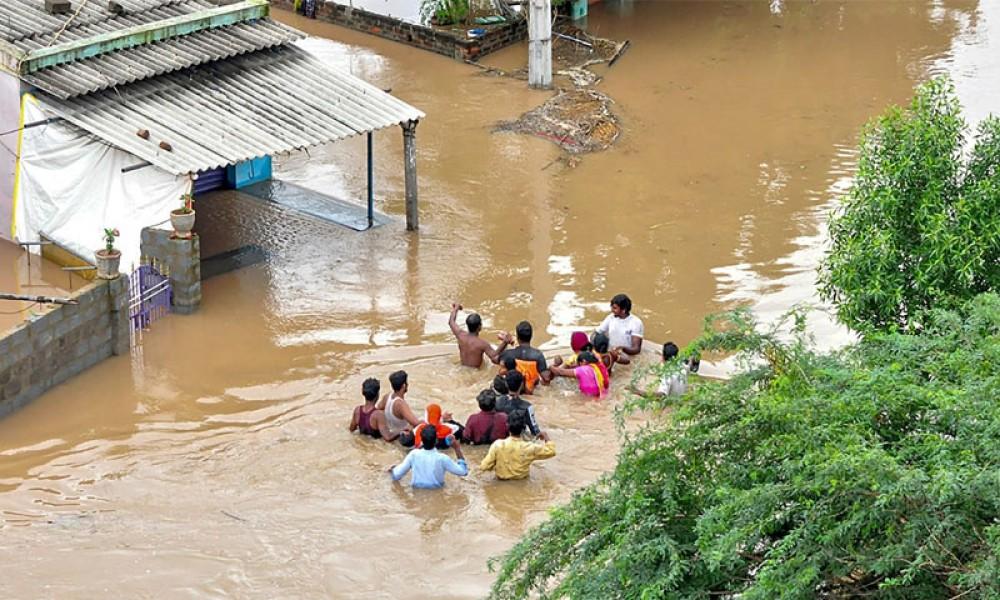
870,471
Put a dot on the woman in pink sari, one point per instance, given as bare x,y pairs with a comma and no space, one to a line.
590,373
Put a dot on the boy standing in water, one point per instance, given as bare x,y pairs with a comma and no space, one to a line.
488,425
512,401
399,418
527,359
367,418
471,347
511,457
429,465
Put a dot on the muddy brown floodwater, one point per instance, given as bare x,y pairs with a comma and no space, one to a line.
215,461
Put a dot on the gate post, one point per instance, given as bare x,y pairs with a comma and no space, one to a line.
118,291
182,259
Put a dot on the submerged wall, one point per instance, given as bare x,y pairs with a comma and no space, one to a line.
47,350
453,44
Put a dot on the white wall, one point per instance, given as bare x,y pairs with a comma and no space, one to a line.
406,10
10,109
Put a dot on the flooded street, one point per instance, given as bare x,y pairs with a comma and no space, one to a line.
216,461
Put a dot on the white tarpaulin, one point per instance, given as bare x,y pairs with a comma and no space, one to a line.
70,187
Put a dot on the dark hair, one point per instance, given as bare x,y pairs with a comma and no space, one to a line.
500,385
515,382
397,380
517,420
524,332
670,350
600,342
370,389
623,302
429,436
474,322
510,363
586,358
487,400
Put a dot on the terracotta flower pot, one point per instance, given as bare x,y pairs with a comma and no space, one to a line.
107,263
182,222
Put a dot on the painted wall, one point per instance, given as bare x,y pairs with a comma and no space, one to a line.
10,109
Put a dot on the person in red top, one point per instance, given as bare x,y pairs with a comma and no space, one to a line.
488,425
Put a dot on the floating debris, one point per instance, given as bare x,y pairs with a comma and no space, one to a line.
579,121
573,51
580,77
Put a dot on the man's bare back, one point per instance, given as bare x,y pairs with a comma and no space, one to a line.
471,347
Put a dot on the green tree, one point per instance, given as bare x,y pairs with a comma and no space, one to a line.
920,227
872,471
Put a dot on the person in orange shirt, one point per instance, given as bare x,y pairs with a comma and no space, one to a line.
528,360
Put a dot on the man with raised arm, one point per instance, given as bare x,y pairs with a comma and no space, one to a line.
471,347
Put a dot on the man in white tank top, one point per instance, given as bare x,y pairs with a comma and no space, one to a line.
398,415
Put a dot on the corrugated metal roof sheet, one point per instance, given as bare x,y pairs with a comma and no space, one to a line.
21,20
141,62
227,111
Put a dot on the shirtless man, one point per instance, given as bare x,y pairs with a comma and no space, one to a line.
471,347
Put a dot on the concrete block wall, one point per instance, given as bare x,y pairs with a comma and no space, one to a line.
182,261
47,350
453,44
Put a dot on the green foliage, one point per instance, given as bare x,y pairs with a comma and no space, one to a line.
873,471
920,228
110,233
444,12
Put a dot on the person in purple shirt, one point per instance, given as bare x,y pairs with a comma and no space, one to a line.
429,465
488,425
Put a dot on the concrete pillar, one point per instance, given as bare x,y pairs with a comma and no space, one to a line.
182,261
410,168
118,292
540,44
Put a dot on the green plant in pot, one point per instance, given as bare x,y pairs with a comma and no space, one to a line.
108,257
182,219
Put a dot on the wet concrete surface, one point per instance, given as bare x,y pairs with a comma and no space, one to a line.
216,462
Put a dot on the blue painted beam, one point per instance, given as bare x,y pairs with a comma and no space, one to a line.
140,35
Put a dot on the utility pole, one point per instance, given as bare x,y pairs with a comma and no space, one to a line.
540,44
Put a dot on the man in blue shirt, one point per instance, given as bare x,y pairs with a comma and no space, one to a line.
428,464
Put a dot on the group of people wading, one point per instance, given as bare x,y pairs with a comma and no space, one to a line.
505,421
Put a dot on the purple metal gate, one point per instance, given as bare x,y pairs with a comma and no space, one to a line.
150,297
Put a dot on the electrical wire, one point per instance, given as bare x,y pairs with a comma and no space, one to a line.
29,307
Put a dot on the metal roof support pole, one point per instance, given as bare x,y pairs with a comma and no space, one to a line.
371,183
410,167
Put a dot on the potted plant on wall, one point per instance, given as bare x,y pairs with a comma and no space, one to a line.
108,257
182,219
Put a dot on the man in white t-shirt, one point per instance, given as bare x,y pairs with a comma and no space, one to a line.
624,330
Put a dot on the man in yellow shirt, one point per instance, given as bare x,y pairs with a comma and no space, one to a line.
511,457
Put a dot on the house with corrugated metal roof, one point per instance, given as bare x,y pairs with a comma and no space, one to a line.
111,109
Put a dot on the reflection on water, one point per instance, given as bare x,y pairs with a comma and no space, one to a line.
218,458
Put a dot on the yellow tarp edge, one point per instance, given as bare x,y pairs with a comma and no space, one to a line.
17,166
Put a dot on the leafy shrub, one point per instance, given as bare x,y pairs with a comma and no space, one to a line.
444,12
920,228
873,471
